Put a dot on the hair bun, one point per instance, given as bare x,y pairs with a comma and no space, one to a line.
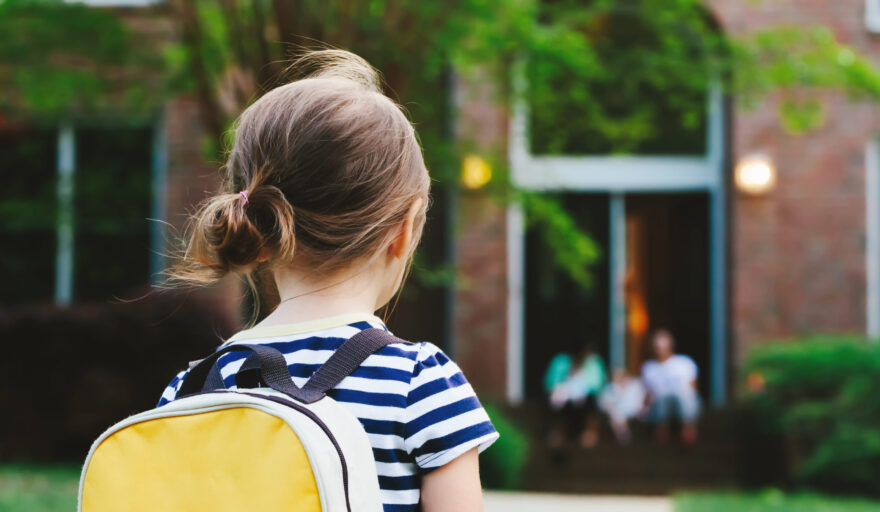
335,64
230,232
225,236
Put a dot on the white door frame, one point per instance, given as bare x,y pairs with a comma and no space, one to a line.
872,236
159,202
618,176
64,253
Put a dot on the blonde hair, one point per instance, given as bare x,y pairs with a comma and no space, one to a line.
327,164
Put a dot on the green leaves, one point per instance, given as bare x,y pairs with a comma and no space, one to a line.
800,117
821,393
574,251
801,64
61,60
503,464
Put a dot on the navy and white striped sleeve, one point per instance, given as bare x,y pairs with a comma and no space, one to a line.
443,417
170,392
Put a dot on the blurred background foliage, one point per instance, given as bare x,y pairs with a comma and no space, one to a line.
65,60
603,76
503,466
95,355
819,396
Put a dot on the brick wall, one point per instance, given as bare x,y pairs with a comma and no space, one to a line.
798,260
480,307
191,178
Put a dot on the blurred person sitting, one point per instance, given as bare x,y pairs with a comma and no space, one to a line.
622,400
573,386
671,383
555,378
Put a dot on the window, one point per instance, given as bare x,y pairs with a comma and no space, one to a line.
872,15
111,207
108,253
617,105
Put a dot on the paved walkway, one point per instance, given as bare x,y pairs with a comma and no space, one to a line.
521,502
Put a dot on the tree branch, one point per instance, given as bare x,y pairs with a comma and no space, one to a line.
191,33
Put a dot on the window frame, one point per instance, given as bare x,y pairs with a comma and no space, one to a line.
66,168
872,16
872,237
115,3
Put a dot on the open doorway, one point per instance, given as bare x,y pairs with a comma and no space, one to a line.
667,276
562,316
666,285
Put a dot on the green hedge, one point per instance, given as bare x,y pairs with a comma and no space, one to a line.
502,464
69,373
769,500
822,396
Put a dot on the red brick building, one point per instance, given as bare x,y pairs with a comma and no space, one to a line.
683,247
800,259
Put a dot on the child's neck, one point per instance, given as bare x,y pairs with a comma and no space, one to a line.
304,299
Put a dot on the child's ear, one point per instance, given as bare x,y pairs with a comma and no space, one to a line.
399,246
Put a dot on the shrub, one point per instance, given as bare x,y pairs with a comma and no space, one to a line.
821,394
503,463
69,373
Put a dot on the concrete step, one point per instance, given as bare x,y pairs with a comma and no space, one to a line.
646,469
641,468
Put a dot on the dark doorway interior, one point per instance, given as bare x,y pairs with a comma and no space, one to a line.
560,315
667,283
112,211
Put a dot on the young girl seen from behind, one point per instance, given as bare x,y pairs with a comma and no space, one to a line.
325,189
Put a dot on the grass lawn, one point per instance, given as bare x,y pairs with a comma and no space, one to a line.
26,488
771,501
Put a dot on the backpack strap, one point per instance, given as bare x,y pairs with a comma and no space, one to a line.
345,361
205,376
273,372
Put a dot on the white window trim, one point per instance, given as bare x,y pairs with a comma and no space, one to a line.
872,236
604,173
872,15
515,303
64,253
159,201
114,3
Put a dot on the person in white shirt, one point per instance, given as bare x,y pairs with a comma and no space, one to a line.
622,399
671,383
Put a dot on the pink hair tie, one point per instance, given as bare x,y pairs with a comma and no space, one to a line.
244,195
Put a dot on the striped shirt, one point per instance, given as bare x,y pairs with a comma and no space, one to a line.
417,408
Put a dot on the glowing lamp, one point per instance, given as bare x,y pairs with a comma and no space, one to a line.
755,175
475,172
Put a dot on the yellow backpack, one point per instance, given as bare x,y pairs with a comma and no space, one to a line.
278,447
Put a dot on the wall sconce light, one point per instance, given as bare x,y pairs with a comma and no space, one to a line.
475,172
755,174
